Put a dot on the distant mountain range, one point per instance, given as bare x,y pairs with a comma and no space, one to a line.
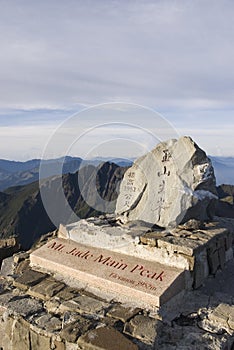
22,212
14,173
21,173
224,169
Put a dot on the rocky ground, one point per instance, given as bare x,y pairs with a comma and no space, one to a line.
38,312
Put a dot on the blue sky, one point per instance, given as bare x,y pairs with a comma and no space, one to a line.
58,57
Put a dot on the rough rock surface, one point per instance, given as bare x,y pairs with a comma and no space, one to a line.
171,184
201,248
8,247
40,312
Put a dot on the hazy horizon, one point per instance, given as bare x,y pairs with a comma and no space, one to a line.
100,157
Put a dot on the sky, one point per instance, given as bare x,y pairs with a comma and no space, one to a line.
60,57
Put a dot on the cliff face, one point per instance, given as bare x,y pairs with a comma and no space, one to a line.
22,213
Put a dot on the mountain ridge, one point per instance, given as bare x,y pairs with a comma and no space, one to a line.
22,212
224,169
13,173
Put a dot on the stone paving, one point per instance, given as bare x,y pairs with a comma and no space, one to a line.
38,312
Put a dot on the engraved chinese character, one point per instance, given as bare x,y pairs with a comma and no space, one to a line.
160,207
167,156
131,175
165,172
161,186
130,182
128,196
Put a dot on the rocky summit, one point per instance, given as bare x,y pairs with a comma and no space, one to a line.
44,310
170,185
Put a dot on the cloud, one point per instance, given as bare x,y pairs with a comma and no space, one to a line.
59,56
24,142
166,53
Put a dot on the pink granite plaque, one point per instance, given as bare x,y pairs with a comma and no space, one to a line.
138,279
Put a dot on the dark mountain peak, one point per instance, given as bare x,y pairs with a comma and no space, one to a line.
225,190
22,212
4,197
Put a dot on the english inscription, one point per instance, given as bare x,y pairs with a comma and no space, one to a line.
119,274
137,269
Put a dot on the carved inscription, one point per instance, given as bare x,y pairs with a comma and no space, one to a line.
136,269
167,156
129,188
163,175
119,274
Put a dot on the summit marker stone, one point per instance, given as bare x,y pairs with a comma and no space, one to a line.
127,276
171,184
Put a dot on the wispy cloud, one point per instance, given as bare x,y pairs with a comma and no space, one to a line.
165,53
59,56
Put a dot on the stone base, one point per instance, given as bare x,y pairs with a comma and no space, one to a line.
38,312
120,275
201,251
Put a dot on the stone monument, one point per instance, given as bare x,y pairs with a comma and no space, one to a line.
91,283
141,252
169,185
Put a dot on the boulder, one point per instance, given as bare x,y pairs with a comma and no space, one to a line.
170,185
